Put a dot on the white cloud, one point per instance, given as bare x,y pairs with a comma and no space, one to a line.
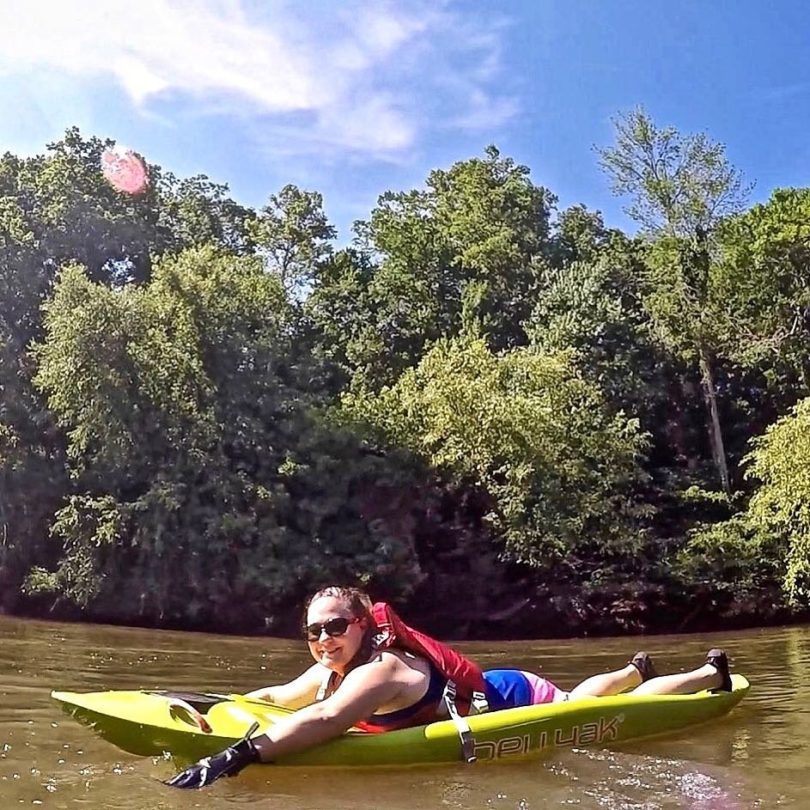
484,111
352,76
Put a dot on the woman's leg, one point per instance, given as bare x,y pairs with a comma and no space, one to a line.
682,683
607,683
638,670
714,674
640,676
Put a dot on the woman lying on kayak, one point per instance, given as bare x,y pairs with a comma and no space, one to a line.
355,683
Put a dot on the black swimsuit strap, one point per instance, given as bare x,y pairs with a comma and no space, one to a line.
432,695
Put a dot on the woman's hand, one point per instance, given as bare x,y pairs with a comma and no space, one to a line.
229,762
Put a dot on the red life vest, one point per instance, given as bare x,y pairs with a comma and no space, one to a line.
464,673
463,692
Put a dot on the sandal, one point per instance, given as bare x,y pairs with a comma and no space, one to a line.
719,660
644,664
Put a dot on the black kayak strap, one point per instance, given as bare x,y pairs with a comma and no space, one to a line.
201,701
461,724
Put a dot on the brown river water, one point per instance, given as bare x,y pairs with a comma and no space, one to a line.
757,757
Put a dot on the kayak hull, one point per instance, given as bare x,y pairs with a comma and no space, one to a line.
148,723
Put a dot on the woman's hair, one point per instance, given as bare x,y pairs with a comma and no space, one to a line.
358,601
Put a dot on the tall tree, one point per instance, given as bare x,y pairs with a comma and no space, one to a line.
763,283
462,254
56,208
294,236
195,447
681,187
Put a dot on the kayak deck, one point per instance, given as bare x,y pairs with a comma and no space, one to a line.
152,723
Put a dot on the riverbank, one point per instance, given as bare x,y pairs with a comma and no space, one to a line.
541,614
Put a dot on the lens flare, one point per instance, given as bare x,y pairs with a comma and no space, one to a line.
124,170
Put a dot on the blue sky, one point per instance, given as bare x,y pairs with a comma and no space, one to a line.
357,97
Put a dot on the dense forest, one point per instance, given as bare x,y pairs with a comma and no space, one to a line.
506,418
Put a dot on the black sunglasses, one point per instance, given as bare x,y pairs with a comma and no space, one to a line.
332,627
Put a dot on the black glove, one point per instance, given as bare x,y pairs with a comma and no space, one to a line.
226,763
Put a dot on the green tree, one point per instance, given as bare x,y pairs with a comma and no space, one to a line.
56,208
731,569
780,460
579,235
208,491
464,254
557,467
194,212
341,316
763,286
681,187
293,235
595,305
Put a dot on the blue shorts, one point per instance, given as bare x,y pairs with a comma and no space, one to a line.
509,688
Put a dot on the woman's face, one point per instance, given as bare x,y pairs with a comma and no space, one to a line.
332,649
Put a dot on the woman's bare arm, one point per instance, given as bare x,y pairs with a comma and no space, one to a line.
297,693
362,692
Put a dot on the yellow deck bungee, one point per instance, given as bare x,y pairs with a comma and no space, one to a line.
151,723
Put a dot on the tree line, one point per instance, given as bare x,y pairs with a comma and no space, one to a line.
508,418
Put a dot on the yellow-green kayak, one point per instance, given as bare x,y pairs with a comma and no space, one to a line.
192,726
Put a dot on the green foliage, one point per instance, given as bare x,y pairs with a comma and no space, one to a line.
55,209
32,483
731,571
205,486
62,207
195,212
520,394
557,468
579,235
763,288
341,313
781,506
596,307
679,185
735,565
293,234
462,255
680,189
